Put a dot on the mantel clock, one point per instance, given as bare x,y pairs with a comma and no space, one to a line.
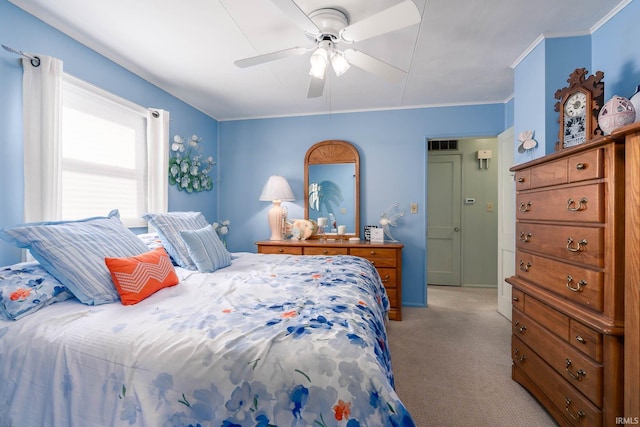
579,105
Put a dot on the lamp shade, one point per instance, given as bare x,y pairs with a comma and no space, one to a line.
277,188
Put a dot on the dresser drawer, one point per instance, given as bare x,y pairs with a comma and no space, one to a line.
576,408
575,367
581,285
584,166
546,316
523,179
324,251
580,167
586,340
579,244
517,299
392,295
551,173
388,277
577,203
379,257
288,250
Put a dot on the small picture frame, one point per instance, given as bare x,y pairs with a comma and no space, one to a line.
377,234
367,231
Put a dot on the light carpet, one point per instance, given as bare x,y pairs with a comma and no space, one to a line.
452,363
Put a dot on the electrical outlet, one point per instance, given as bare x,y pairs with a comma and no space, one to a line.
489,207
413,208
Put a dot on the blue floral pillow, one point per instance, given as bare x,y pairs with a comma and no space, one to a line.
26,287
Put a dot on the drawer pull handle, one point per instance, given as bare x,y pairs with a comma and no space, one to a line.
386,279
525,267
373,252
581,166
520,179
578,375
516,299
582,204
578,416
525,238
579,246
524,207
522,329
581,284
580,339
324,251
280,250
517,358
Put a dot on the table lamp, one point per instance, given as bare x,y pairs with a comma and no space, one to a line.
276,190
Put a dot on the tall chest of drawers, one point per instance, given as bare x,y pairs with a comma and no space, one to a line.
385,256
568,291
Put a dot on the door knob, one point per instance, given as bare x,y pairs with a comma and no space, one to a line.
456,229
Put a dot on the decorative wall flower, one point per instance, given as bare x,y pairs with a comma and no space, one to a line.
188,170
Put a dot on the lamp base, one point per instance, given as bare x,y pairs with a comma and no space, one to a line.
274,217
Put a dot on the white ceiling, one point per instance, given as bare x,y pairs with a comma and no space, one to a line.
461,52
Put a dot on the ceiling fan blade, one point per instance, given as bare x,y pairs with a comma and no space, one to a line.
394,18
374,65
316,87
273,56
289,8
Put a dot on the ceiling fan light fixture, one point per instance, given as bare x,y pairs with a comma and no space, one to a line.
339,63
318,61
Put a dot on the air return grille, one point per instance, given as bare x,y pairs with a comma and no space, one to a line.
443,145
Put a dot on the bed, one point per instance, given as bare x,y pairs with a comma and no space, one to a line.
267,340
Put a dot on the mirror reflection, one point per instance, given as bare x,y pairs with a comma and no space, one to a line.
332,187
332,196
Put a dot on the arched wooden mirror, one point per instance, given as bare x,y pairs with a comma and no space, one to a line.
332,186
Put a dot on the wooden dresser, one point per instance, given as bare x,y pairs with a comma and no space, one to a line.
387,258
568,341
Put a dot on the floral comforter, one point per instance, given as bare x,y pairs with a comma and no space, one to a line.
271,340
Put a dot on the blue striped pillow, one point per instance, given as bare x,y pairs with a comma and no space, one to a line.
169,225
74,251
205,249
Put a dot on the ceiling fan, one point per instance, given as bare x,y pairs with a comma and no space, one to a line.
329,27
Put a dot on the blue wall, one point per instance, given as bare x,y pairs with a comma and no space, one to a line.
612,48
393,160
22,31
616,51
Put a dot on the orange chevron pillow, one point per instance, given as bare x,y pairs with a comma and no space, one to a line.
139,276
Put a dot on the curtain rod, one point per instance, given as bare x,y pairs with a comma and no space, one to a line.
35,61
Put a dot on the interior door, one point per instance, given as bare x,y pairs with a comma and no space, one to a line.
443,220
506,221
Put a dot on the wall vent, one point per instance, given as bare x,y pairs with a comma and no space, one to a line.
443,145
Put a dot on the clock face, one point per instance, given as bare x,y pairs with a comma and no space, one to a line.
576,105
574,127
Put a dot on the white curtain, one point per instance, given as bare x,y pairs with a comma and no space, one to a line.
158,159
42,105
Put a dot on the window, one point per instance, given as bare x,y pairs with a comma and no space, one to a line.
104,154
